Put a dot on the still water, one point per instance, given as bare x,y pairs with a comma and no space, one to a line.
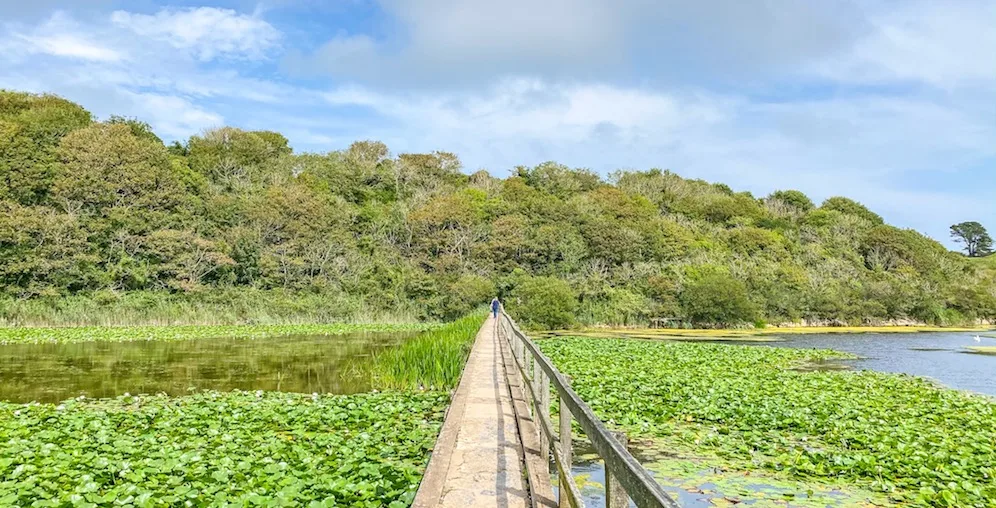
305,364
941,356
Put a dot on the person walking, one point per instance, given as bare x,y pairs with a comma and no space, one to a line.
495,305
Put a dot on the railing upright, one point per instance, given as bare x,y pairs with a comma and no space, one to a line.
625,477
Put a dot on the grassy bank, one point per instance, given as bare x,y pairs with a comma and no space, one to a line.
742,409
219,449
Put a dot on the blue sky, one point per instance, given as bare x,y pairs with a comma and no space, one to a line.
886,101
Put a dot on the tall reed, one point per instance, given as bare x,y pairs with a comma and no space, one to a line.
432,360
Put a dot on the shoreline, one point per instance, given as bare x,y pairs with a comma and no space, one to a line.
774,330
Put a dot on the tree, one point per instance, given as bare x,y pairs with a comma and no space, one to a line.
86,207
31,127
544,301
977,241
852,207
794,198
106,166
717,298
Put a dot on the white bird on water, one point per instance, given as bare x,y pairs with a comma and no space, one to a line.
978,339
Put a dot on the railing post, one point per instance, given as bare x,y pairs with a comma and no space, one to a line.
567,451
537,372
543,410
615,494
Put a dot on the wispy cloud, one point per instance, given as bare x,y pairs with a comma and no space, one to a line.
941,44
60,36
206,31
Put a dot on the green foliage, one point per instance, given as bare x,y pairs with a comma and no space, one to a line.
793,198
232,226
138,128
30,129
214,306
903,436
219,449
543,301
559,180
851,207
465,294
717,298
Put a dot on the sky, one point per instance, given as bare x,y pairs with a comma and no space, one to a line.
890,102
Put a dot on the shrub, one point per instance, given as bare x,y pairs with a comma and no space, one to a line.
544,302
717,298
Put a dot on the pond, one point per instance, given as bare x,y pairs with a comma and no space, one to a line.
302,363
941,356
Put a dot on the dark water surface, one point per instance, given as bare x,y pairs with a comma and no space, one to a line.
304,364
938,355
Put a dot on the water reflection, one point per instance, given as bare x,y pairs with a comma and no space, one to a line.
305,364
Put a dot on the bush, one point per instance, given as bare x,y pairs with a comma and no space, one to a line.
543,302
717,298
466,294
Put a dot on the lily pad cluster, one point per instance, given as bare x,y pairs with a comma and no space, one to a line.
188,332
895,434
219,449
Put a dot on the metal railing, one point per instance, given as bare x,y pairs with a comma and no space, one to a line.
625,478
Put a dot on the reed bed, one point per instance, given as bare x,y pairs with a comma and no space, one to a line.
433,360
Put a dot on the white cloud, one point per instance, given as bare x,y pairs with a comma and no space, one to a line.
174,117
444,43
943,44
66,45
59,36
206,31
156,70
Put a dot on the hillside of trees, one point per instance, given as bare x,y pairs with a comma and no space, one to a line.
103,215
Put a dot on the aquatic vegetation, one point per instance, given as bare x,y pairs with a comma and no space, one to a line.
679,335
898,435
708,479
187,332
233,448
433,359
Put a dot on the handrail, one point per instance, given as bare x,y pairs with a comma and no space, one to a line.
620,465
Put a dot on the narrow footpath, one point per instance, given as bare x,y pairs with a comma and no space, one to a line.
478,457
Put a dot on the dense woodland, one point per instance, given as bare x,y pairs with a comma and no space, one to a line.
104,215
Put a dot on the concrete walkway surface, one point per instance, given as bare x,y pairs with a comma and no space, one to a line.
478,459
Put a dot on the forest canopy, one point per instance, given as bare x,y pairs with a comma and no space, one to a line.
102,210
